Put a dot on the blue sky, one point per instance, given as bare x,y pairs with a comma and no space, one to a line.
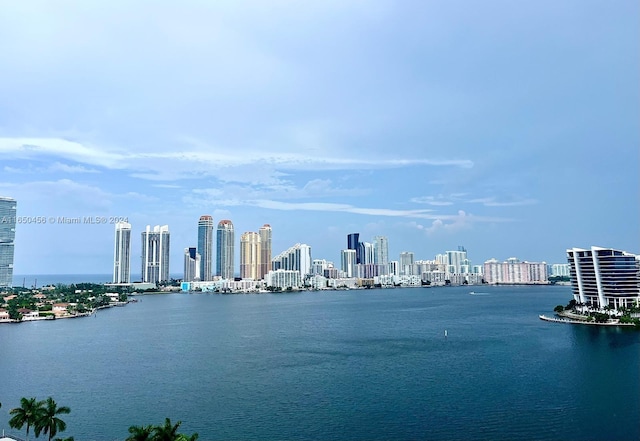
510,128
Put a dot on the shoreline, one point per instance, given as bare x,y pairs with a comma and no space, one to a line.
581,322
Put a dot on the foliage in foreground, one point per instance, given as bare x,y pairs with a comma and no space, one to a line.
44,418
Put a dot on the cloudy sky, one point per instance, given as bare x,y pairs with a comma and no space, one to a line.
509,128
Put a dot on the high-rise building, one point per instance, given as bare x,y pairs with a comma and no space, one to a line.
250,253
265,250
353,243
348,262
367,255
603,277
225,250
514,271
155,254
296,258
406,263
122,253
8,207
205,246
457,262
381,250
192,260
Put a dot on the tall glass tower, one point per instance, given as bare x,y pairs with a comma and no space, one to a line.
205,246
225,255
265,250
7,239
122,253
155,254
353,243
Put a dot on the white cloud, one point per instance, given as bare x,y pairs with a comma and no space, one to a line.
229,165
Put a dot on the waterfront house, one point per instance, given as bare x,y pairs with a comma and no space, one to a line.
28,314
60,309
4,315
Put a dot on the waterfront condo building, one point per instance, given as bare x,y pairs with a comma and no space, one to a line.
348,262
155,254
225,250
250,253
381,250
603,277
406,263
205,247
265,250
191,265
513,271
122,253
296,258
8,208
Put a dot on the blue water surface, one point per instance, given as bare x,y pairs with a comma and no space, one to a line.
336,365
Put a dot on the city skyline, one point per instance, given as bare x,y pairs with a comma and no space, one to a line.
502,127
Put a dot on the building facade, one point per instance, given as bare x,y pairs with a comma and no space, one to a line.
250,252
225,250
205,247
602,277
381,250
192,265
265,250
296,258
353,243
406,263
348,262
155,254
122,253
8,210
513,271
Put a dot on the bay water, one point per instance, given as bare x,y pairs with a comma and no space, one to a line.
335,365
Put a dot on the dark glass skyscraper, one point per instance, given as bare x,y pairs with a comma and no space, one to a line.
205,246
353,243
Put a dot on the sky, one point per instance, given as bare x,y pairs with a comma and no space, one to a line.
508,128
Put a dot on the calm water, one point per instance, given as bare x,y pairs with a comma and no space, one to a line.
361,365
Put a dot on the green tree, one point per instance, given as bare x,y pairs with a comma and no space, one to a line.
140,433
48,421
29,413
169,432
558,308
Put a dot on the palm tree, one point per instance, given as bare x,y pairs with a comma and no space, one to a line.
168,432
140,433
28,413
49,423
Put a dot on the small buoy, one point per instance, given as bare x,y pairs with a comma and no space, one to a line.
445,333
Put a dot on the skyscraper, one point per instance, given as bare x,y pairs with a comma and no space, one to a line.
155,254
353,243
250,253
8,208
205,246
406,263
122,253
225,250
381,249
191,265
265,250
296,258
348,262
